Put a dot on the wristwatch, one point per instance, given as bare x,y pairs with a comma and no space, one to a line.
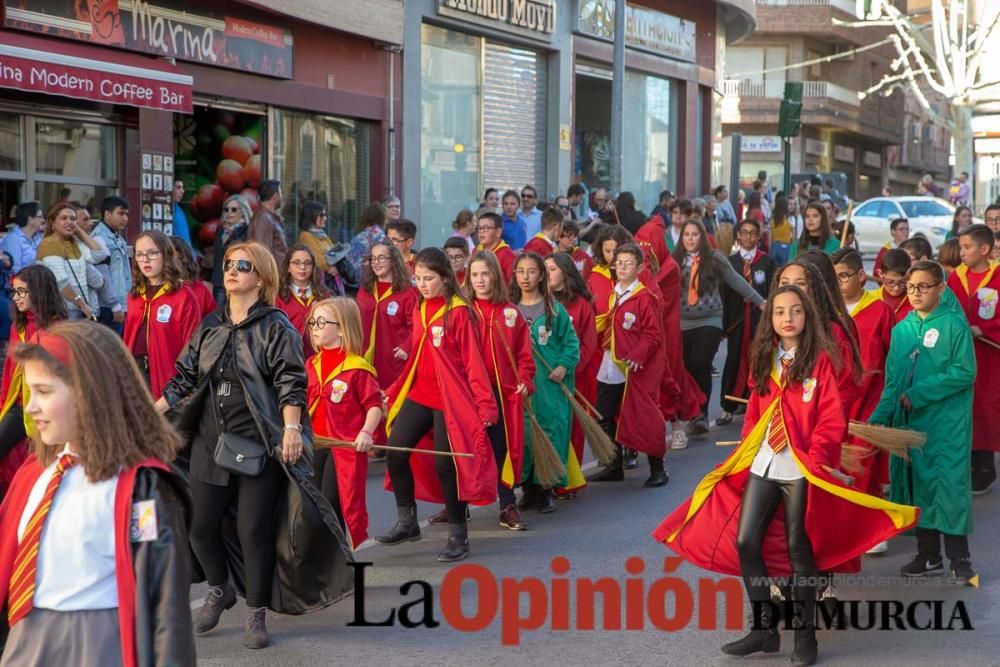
293,427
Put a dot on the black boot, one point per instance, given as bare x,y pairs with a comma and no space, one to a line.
763,639
657,474
614,472
457,547
406,529
631,459
804,622
530,494
546,502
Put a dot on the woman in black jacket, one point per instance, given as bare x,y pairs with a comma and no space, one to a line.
243,375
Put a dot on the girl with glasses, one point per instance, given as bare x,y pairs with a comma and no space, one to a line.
162,311
345,403
301,285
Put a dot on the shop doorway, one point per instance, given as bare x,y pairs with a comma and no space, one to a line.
592,115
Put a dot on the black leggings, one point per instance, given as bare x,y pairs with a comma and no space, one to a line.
256,500
609,402
325,475
760,501
700,347
412,424
498,439
11,430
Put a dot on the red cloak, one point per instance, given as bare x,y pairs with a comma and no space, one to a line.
13,392
636,336
505,256
841,521
172,315
338,406
451,339
387,323
979,302
540,244
583,316
203,295
10,517
297,311
901,308
583,261
848,383
874,319
504,319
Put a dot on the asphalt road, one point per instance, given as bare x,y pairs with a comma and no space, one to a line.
597,532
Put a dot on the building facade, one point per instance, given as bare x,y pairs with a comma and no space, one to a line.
218,96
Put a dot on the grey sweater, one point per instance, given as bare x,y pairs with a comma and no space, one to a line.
708,311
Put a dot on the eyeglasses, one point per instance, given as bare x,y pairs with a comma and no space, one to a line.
525,195
920,288
748,234
241,265
232,209
20,292
564,207
626,263
485,228
845,276
893,283
992,219
457,257
319,323
322,215
393,206
379,259
152,254
301,264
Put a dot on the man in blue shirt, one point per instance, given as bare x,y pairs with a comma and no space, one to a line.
181,228
515,227
22,242
532,216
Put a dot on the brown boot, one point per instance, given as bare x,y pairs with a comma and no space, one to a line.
256,629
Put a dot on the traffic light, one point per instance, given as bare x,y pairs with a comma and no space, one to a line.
791,110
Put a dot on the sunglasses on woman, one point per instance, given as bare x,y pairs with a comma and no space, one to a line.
241,265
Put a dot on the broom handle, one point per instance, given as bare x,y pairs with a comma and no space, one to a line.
847,225
576,392
988,341
736,399
513,366
332,443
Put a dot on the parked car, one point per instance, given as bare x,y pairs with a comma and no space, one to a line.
928,216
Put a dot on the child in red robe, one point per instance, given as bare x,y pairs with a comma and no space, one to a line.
788,456
976,283
446,357
345,403
899,229
490,231
628,379
546,241
895,264
162,312
301,285
191,275
569,244
458,254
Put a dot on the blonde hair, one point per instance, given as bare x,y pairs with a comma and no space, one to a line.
263,264
348,316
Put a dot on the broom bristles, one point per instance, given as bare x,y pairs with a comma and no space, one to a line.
895,441
598,441
549,470
852,457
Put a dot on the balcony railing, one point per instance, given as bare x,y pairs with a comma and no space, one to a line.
843,5
776,90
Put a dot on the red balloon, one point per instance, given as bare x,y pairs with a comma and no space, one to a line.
207,202
251,171
237,148
229,174
207,233
252,198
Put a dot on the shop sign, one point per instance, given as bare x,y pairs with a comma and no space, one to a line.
168,28
815,147
81,78
644,28
872,159
533,18
843,153
752,144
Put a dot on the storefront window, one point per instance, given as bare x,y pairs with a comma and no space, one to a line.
10,143
75,149
325,159
450,135
649,154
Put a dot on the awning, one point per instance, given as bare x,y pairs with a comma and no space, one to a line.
55,67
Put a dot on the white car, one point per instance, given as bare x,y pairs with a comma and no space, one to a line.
928,216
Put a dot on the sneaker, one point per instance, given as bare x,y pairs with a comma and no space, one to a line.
698,427
963,574
678,439
725,420
878,549
510,519
982,482
715,372
921,567
631,461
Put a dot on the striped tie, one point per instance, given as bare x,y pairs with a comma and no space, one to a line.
777,437
747,270
21,588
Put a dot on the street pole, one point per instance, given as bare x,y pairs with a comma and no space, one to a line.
787,182
618,98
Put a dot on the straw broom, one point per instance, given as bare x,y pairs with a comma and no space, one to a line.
895,441
549,470
600,444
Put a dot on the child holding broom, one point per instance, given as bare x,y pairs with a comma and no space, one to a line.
628,380
929,380
345,403
556,347
788,456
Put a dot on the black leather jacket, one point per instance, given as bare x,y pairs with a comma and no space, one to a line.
270,364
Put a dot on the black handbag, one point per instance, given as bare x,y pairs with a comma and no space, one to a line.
234,453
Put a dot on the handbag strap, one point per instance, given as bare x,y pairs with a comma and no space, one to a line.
83,293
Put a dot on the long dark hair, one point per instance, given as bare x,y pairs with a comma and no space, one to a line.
839,313
543,285
708,272
813,340
47,304
825,234
779,214
435,259
573,283
954,219
185,259
310,214
400,272
316,283
172,273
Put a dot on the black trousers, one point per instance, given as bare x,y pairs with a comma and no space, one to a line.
984,463
498,439
256,499
11,430
412,424
325,477
609,402
700,346
760,501
956,547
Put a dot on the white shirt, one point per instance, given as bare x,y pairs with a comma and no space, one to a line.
675,234
748,255
302,292
767,464
610,372
76,556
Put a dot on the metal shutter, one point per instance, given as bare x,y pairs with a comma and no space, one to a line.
515,104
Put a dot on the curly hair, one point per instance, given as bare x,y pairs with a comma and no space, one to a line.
173,275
